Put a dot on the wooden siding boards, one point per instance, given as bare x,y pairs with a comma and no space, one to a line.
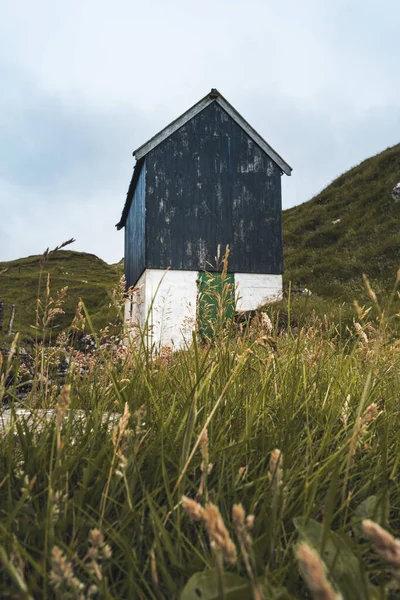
210,184
135,255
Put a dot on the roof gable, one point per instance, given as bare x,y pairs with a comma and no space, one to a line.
213,96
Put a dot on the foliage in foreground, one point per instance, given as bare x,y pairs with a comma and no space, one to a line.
258,466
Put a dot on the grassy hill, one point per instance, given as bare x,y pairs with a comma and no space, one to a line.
350,228
86,276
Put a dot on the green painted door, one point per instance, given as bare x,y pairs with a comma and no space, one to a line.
216,302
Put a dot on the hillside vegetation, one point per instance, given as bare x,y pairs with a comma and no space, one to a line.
85,275
350,228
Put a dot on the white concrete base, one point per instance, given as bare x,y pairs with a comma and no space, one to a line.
168,300
254,290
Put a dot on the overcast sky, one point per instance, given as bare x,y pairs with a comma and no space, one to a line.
85,82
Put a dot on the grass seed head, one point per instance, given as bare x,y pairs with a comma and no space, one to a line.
192,508
62,573
96,538
275,467
242,525
313,572
370,414
361,333
345,412
220,539
385,544
266,322
204,445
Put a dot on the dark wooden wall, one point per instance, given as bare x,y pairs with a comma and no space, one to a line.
208,184
135,232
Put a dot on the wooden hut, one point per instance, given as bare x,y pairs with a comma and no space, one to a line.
205,181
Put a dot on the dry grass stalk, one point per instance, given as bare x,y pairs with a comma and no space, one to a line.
361,333
266,322
193,508
57,498
119,442
370,291
79,321
243,525
62,576
362,421
205,466
28,486
275,468
313,572
97,552
220,540
241,474
119,439
361,427
387,546
345,412
204,445
15,567
370,414
123,423
61,410
362,312
154,574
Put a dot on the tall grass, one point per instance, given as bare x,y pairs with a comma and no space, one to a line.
298,431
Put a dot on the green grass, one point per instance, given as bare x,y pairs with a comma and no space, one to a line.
329,258
87,277
322,386
253,392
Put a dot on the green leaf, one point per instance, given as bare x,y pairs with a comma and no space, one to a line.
343,565
204,586
373,508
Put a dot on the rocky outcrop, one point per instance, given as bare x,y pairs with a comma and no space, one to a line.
396,193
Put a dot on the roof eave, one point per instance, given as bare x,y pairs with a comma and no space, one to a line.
173,126
251,132
129,196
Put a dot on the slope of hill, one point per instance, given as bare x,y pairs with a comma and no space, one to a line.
86,276
350,228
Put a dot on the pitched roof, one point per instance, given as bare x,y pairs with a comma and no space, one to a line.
213,96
